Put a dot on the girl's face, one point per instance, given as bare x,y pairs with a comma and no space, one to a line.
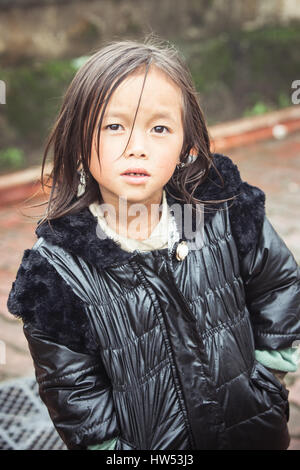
155,143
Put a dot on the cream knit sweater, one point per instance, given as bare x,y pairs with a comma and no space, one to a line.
164,235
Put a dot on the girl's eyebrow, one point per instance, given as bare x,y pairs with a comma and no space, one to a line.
156,115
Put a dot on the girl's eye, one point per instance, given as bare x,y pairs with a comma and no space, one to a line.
113,127
160,129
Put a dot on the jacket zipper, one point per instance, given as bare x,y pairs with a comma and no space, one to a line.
187,309
185,304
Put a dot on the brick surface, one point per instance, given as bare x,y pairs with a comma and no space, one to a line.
274,167
294,444
15,359
294,421
294,395
16,234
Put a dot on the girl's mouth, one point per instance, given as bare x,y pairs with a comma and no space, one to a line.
135,178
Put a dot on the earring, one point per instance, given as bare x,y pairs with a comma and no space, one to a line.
191,159
82,183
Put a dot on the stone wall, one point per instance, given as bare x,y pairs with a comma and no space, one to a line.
52,29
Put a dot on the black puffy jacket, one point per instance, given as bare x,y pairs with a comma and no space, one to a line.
158,351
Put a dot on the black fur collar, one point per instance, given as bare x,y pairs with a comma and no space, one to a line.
77,232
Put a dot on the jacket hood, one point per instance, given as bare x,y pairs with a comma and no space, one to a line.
78,232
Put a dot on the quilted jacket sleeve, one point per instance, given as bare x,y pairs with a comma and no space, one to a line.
75,389
272,288
72,380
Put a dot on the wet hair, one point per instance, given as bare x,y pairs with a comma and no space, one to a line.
89,93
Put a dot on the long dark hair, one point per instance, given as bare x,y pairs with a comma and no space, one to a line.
88,93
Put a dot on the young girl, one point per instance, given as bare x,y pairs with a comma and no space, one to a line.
173,329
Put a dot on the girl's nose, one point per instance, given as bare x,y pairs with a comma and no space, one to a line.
136,146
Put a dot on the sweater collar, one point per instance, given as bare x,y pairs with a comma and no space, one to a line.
80,234
162,236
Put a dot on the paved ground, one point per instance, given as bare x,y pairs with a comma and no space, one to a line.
274,166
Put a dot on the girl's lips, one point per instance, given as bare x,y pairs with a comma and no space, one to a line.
135,179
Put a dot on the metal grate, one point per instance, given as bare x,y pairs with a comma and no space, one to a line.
24,419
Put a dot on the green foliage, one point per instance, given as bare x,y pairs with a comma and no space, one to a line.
34,95
11,158
244,73
79,61
210,62
259,108
284,100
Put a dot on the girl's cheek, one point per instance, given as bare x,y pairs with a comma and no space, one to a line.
111,149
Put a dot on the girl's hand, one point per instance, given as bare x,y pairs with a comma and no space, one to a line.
280,375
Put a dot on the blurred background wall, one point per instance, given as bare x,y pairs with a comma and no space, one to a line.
243,55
